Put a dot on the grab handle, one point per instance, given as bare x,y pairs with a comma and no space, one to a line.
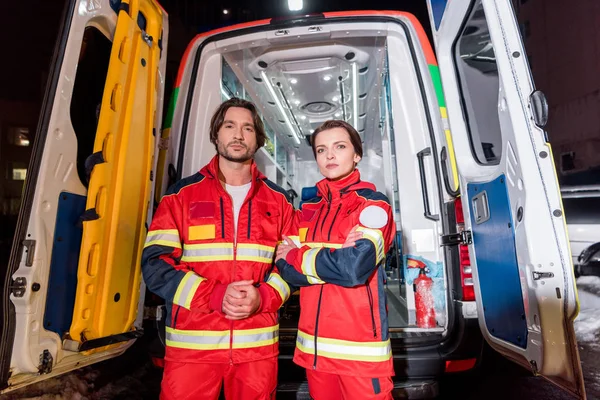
420,156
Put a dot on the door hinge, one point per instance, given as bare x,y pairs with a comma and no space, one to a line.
46,360
542,275
18,287
534,367
455,239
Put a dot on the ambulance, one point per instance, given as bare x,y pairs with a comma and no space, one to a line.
453,134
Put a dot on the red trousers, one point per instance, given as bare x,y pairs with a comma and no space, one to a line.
324,386
255,380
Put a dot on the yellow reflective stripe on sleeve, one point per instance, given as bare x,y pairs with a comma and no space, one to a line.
344,349
207,252
163,237
318,245
376,237
220,340
296,240
255,252
186,289
276,282
309,266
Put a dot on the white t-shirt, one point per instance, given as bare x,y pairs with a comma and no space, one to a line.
238,195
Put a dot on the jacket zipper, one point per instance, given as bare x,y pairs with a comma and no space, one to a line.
317,224
232,278
222,219
317,325
235,243
249,216
333,221
327,213
370,295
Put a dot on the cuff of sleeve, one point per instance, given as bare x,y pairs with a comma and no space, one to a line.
292,255
216,297
263,292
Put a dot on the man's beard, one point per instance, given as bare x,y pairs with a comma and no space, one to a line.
226,154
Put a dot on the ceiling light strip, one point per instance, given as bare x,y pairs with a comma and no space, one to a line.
278,103
355,94
289,107
343,97
224,92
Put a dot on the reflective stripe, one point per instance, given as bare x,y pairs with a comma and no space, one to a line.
163,237
220,340
309,266
255,252
376,237
207,252
243,339
187,289
317,245
276,282
345,349
198,340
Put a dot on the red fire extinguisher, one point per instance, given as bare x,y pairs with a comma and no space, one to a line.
423,296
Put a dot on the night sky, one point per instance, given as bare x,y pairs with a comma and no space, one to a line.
30,33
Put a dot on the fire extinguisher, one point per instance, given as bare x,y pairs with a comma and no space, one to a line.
423,286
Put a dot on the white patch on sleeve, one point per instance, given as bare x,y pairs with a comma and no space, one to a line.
373,217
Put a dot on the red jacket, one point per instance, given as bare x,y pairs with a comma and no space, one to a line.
191,255
343,326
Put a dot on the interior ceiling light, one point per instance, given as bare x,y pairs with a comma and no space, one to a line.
279,105
225,11
293,81
338,114
327,78
335,98
295,5
303,117
297,102
355,94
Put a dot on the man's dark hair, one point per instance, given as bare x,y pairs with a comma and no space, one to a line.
219,116
336,123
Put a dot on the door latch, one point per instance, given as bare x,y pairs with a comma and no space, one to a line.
29,246
455,239
542,275
18,287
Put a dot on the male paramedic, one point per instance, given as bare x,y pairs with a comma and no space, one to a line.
209,254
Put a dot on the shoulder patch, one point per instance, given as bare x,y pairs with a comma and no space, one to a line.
276,188
190,180
372,195
373,217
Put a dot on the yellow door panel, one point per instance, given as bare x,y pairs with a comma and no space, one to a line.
109,264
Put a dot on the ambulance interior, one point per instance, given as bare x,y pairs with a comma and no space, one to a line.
365,77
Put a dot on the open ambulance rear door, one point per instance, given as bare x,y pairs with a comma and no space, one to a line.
515,227
72,288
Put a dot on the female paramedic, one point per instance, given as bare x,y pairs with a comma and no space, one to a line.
345,233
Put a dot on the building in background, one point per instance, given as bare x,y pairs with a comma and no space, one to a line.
563,45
